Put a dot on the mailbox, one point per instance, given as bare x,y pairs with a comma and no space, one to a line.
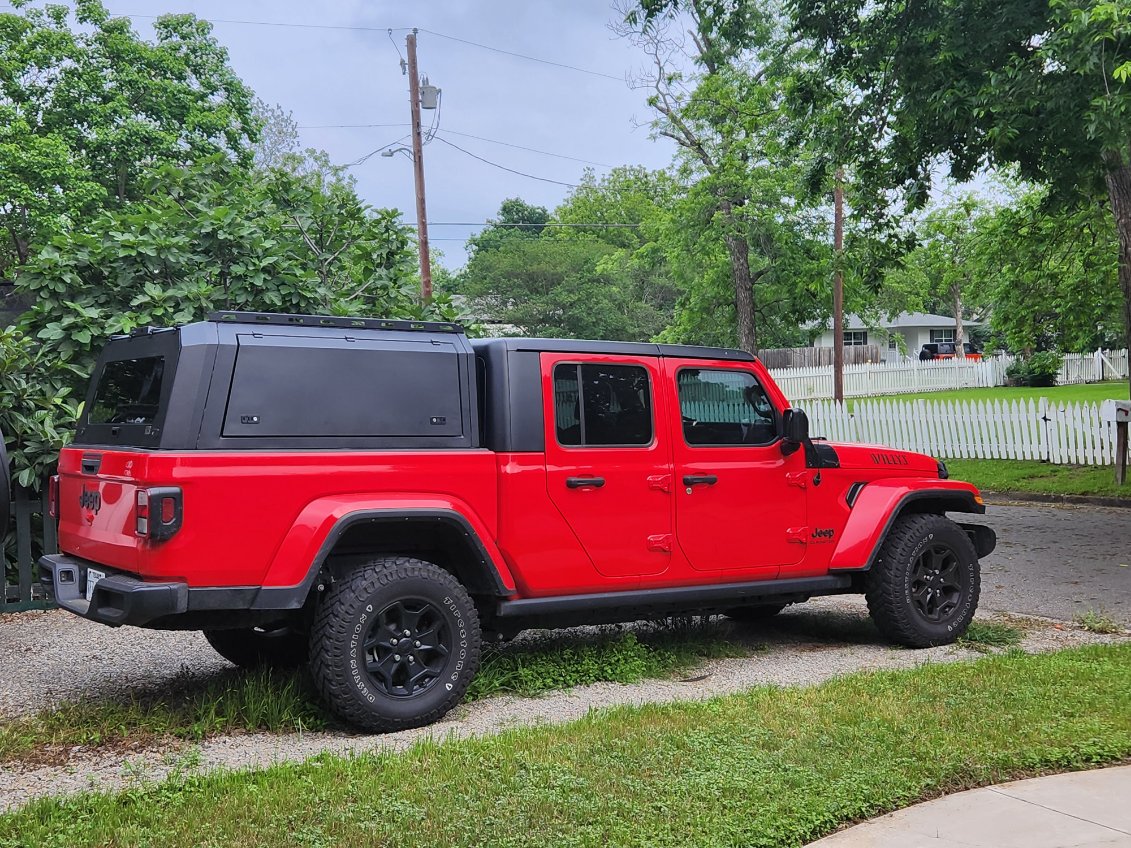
1118,411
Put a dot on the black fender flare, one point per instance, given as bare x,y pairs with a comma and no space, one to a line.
483,565
934,500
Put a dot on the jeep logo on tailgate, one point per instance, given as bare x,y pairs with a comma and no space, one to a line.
90,499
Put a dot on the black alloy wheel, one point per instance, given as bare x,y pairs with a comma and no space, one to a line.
936,583
407,647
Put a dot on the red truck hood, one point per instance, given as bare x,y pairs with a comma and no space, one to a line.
877,457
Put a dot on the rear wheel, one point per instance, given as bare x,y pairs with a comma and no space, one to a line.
763,612
395,644
279,647
923,590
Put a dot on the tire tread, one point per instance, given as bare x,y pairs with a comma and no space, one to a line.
884,589
330,627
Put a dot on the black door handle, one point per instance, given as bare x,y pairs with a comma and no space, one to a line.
700,480
584,482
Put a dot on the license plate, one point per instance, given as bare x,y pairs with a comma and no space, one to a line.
92,578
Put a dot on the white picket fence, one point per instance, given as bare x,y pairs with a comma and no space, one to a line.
1061,434
912,376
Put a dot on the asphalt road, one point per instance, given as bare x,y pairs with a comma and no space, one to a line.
1059,561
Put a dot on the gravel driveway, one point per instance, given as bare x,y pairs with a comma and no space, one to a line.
1051,559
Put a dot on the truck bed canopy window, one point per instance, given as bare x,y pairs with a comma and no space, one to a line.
613,408
129,392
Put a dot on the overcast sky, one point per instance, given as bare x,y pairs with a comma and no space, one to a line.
344,76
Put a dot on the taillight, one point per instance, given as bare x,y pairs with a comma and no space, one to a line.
158,512
53,496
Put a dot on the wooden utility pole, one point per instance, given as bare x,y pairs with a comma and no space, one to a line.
838,287
418,170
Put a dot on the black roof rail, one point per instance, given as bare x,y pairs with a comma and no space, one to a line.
280,319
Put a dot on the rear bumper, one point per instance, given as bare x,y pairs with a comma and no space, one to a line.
121,598
117,598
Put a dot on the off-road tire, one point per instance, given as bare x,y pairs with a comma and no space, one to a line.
750,615
897,592
352,644
254,647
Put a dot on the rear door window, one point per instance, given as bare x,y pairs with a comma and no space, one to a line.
599,405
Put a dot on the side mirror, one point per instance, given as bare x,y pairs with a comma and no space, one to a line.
795,430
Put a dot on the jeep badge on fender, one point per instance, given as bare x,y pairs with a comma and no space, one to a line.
339,491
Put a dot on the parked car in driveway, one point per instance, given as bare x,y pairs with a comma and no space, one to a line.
947,350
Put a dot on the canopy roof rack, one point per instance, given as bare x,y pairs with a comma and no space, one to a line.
280,319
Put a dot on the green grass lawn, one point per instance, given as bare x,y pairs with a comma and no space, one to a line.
1030,476
1083,393
771,767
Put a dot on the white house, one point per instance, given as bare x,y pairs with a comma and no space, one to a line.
903,335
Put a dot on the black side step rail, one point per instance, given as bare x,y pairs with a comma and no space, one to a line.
689,597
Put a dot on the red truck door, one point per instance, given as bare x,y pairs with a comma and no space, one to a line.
740,503
608,459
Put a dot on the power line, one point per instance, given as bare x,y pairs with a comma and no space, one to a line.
504,167
463,135
277,24
358,28
524,56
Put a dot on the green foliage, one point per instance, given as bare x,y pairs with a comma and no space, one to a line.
1038,369
986,635
84,110
743,219
37,406
1095,621
1041,86
215,236
576,282
768,767
1050,274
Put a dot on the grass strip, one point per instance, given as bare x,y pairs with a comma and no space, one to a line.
285,701
772,767
1031,476
1077,393
985,636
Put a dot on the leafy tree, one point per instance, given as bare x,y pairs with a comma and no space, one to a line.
517,219
1051,278
216,236
940,275
727,115
630,210
1041,84
83,111
556,287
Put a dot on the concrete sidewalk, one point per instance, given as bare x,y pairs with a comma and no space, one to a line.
1088,808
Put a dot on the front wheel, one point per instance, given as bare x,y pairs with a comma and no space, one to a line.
395,644
924,587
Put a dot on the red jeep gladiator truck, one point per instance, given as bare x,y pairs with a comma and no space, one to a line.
377,497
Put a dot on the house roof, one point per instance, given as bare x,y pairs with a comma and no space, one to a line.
902,321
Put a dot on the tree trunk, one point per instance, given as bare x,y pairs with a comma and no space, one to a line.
739,250
959,332
1119,192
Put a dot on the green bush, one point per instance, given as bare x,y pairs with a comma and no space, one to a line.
1038,369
